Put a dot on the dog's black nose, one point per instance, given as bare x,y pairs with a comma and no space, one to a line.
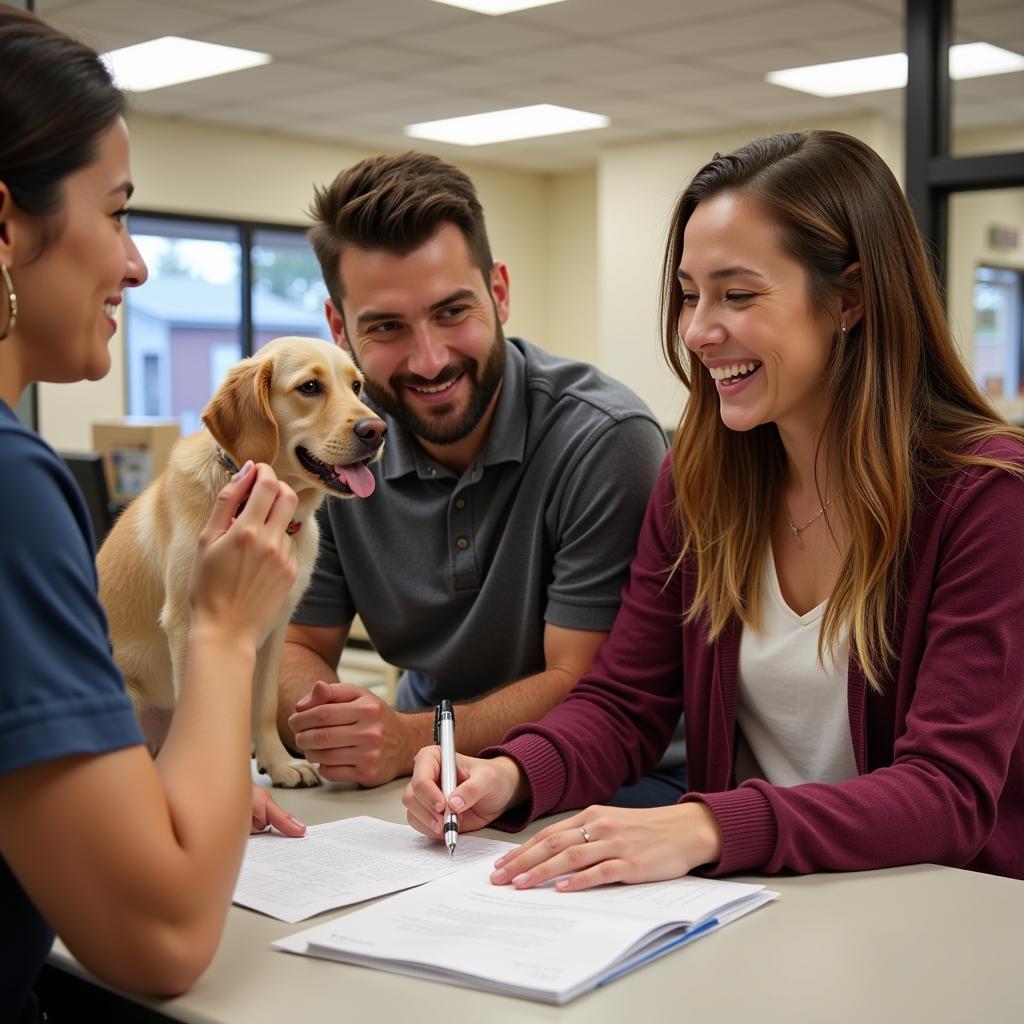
371,432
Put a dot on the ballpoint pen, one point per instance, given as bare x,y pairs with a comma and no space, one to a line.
444,737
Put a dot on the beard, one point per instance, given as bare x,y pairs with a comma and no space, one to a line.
441,425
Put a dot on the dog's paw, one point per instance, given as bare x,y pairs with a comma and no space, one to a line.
292,774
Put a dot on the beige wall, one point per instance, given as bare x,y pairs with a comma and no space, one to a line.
572,254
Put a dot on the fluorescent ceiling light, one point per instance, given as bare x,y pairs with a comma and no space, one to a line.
505,125
497,6
976,60
844,77
889,71
171,60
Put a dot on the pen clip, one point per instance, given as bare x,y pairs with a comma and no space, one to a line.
437,724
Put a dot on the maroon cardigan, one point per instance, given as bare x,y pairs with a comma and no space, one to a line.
939,753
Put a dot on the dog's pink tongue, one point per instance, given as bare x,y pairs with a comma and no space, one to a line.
359,479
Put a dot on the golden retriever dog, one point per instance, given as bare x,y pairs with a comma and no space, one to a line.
294,405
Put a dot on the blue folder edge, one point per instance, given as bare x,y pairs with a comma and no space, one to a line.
694,933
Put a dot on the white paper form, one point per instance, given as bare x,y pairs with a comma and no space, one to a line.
347,861
540,943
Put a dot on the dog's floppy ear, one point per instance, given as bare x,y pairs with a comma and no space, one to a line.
239,415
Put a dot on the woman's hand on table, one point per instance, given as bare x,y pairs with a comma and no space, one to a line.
266,812
486,788
648,844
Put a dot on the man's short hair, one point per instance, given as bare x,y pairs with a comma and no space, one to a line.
395,203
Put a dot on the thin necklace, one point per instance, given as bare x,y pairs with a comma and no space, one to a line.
797,530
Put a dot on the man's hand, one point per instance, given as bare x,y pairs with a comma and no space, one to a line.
354,736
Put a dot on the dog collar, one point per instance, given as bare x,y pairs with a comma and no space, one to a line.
225,460
232,467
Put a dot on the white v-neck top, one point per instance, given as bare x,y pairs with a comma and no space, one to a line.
792,718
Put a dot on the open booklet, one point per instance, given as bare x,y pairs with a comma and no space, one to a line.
538,943
347,861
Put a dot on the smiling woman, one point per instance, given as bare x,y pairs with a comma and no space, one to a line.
828,576
91,255
99,843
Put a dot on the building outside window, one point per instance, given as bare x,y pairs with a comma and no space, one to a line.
186,327
999,330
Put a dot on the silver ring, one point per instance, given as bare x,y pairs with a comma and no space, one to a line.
585,832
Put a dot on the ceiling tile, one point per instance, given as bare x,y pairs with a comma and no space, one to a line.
634,110
823,47
369,94
734,102
597,18
528,91
757,61
890,102
266,82
380,59
783,25
578,94
361,19
378,107
259,35
54,6
425,108
657,76
574,58
684,120
481,37
963,7
100,39
162,103
149,19
468,76
997,27
242,9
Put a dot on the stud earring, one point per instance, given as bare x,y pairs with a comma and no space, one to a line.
12,302
842,326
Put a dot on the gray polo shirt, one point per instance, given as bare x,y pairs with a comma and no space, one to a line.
456,576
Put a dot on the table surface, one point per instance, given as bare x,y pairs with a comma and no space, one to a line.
910,944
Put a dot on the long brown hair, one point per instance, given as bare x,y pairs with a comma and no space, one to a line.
902,407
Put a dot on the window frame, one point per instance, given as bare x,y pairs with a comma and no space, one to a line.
247,230
933,175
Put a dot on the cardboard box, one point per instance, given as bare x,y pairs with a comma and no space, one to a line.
135,450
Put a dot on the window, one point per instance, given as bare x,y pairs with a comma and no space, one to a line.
199,313
151,377
287,287
998,330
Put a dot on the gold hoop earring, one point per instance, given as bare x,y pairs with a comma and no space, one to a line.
12,302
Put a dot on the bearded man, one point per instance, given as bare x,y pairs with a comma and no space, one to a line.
488,562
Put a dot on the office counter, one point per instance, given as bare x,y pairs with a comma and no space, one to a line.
913,944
